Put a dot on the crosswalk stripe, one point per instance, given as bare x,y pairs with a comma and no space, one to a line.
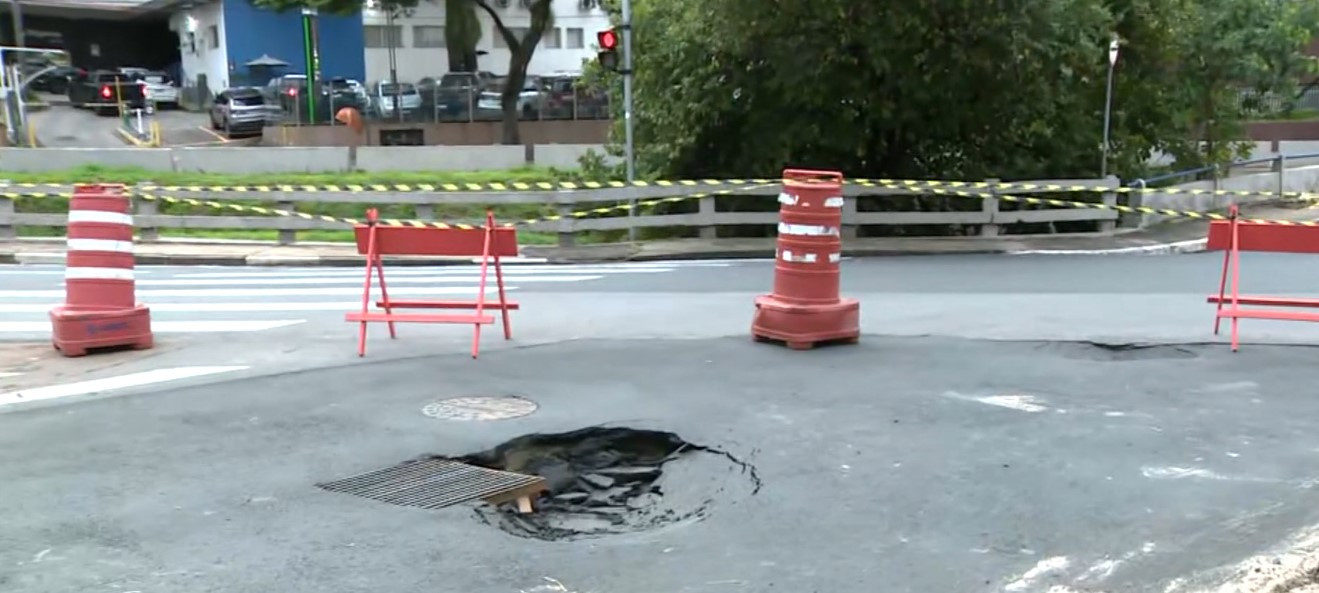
408,273
170,327
145,295
224,299
112,383
390,280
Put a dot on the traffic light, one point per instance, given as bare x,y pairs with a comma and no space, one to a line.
607,40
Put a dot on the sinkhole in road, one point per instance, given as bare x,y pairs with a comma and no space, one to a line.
1120,352
604,481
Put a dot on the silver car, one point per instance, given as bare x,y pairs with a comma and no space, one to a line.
239,111
383,95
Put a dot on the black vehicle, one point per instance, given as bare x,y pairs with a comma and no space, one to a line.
104,90
54,80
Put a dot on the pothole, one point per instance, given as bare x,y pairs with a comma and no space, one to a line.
605,481
1121,352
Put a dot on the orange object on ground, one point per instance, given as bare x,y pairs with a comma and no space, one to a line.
100,307
488,242
805,308
1234,236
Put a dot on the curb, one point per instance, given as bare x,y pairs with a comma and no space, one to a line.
1176,248
46,258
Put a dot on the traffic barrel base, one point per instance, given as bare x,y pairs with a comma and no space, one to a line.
76,331
805,326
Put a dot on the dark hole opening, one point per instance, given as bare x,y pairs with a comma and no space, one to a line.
613,480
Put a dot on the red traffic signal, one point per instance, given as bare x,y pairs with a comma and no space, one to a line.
607,40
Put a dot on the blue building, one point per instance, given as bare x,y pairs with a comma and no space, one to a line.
219,39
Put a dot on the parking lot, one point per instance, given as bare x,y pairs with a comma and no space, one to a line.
62,126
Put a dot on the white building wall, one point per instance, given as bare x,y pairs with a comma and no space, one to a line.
203,52
563,49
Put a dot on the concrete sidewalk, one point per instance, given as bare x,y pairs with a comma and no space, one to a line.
1185,236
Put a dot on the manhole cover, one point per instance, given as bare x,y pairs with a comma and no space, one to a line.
480,408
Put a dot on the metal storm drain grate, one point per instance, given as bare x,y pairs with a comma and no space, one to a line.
439,483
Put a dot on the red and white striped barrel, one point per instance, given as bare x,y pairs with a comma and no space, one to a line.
98,271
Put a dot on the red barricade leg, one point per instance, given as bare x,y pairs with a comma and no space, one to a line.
480,288
805,308
1235,251
1222,286
100,309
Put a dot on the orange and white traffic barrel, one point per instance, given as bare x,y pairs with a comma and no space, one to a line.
805,308
100,308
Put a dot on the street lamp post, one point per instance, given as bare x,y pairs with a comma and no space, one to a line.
1108,105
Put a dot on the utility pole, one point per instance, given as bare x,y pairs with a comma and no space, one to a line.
17,13
394,42
628,149
1108,104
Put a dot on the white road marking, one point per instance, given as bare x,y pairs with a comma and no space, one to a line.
202,307
171,327
1042,568
1021,403
357,279
4,375
408,272
144,295
112,383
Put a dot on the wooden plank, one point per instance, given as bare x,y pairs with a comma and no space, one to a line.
417,318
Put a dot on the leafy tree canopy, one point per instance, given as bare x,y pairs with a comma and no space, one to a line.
951,88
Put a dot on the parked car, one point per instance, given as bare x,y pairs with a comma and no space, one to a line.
390,99
159,90
287,94
52,80
239,110
454,93
104,90
530,100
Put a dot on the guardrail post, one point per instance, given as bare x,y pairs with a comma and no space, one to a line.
566,222
143,208
989,206
850,228
8,207
424,211
1135,199
1110,199
286,236
1282,174
706,210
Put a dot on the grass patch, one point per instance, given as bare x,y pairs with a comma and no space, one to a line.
136,175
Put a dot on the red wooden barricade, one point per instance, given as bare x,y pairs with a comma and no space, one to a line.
1234,236
488,242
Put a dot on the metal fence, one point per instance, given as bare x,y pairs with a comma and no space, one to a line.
721,211
437,105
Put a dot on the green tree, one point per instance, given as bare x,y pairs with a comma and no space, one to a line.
462,31
520,49
947,88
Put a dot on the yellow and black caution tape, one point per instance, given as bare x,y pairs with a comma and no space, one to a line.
919,185
742,184
1101,206
396,222
945,190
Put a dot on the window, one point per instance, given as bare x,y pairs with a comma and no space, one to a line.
213,37
378,36
553,38
427,36
518,32
576,38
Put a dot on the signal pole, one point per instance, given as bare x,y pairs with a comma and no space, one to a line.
628,150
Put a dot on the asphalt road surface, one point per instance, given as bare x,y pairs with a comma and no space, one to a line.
62,126
989,434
